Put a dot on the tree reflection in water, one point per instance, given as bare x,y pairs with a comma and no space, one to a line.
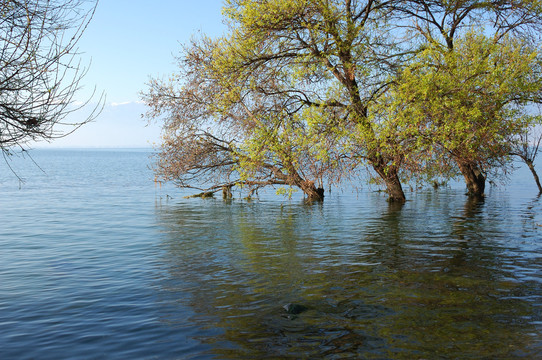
440,275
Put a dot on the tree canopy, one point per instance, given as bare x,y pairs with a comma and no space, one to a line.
303,93
468,104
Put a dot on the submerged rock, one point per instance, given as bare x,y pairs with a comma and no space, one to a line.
295,309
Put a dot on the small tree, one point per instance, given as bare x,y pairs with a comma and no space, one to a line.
225,127
39,69
526,147
472,89
466,104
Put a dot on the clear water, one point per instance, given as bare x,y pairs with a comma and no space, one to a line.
96,261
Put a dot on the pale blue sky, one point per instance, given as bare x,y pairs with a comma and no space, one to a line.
127,42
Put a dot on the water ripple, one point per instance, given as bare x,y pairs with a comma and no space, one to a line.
98,263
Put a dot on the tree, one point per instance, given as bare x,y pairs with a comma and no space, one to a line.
467,94
468,103
317,87
39,69
218,134
325,57
526,147
350,54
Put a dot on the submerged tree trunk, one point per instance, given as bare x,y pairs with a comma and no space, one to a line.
226,192
290,176
535,175
313,193
395,190
474,178
390,175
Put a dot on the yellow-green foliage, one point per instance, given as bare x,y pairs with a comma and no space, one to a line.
469,101
302,91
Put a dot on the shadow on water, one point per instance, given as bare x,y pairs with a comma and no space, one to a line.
441,275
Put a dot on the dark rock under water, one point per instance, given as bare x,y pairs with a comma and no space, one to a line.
295,309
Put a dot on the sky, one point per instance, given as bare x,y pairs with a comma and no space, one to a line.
125,44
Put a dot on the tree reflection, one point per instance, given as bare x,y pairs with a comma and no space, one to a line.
377,281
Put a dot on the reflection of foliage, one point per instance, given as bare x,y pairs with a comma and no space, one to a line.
392,290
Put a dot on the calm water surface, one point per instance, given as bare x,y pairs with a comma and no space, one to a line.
96,261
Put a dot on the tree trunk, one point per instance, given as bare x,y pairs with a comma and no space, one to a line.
390,175
313,193
226,192
535,175
474,178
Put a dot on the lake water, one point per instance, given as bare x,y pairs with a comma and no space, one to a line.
97,261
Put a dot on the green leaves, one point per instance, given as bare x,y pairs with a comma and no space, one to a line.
470,100
301,92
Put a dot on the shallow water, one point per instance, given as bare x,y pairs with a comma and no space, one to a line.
96,261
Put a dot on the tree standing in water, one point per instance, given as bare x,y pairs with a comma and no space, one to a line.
219,134
468,103
343,50
470,87
312,88
526,147
320,61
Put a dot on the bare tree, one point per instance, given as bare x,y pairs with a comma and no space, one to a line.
526,148
40,69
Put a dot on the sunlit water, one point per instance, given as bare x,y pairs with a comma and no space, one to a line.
97,261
